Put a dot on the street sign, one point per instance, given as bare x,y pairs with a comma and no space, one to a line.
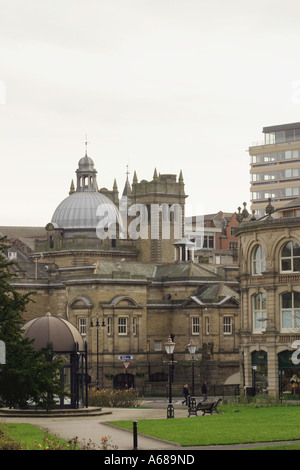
2,353
125,358
126,364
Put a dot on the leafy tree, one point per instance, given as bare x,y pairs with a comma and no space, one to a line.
28,375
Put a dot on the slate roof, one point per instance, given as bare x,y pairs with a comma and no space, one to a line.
26,234
181,270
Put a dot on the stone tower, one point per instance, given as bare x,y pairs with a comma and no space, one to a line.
160,204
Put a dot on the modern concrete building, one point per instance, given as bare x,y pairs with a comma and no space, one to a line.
275,167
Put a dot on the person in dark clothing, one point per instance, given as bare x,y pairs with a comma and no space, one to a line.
186,395
204,390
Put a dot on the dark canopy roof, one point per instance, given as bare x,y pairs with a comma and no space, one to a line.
61,334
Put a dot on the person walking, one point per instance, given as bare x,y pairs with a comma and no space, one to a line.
204,390
186,394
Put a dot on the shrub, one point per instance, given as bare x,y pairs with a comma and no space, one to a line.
7,443
114,398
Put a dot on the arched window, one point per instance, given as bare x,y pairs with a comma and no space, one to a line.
259,311
290,257
290,310
258,260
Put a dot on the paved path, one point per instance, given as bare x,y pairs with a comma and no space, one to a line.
94,427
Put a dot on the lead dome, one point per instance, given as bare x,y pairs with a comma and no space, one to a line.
79,211
84,207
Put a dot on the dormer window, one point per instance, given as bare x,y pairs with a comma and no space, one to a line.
291,213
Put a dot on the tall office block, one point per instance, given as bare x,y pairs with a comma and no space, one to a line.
275,167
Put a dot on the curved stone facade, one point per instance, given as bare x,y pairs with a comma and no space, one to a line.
269,258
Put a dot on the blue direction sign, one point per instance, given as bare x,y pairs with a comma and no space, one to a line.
125,358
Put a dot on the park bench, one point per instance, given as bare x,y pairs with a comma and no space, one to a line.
205,407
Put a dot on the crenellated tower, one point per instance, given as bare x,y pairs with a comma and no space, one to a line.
162,200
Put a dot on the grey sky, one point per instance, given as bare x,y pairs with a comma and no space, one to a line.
172,84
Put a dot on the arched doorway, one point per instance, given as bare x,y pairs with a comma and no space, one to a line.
289,376
124,381
260,372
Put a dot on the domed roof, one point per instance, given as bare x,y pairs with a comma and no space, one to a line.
79,210
86,164
53,330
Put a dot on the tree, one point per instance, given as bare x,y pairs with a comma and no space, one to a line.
28,375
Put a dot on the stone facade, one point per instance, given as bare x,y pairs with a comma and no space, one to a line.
135,290
269,287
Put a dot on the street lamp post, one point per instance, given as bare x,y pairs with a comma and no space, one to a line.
97,326
192,349
170,346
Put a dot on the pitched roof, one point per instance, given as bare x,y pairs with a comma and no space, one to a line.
214,294
135,270
294,203
26,234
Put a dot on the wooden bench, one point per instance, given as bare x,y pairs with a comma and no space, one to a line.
205,407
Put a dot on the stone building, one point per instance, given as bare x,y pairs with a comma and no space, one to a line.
216,236
270,301
124,294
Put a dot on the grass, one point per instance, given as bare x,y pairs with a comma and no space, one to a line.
236,425
33,438
278,447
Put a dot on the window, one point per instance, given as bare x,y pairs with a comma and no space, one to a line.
208,241
159,377
195,326
258,260
227,325
122,326
259,311
289,213
157,346
290,257
82,326
290,310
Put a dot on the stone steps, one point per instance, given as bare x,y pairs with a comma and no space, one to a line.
56,413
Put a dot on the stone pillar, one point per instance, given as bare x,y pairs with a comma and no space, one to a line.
247,367
273,381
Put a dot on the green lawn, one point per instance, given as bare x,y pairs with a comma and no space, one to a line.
33,438
236,425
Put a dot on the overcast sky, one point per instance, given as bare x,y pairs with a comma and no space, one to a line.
168,84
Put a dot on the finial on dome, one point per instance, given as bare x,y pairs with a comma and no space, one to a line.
86,142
